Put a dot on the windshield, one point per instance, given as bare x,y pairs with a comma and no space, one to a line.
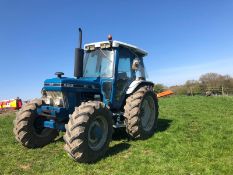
98,63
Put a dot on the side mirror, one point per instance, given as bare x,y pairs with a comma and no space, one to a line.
135,64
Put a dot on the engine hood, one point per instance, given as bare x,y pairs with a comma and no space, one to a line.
72,84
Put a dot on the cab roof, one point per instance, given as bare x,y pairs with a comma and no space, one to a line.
115,43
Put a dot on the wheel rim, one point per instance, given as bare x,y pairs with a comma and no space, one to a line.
148,113
97,133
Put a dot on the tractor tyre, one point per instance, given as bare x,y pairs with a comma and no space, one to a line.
141,113
88,132
27,130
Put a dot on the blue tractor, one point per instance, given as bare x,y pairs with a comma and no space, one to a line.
109,90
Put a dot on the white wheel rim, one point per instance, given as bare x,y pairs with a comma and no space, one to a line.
148,113
97,140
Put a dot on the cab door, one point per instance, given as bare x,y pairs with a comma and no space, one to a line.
124,75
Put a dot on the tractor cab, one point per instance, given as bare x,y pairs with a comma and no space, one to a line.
117,65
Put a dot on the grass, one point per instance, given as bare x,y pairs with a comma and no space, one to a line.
195,136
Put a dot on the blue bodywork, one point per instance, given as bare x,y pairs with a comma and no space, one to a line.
75,89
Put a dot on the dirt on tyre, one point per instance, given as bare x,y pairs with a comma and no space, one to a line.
88,132
28,129
141,113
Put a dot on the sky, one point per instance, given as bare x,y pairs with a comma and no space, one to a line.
184,38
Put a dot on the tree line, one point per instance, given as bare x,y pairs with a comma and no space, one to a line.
208,84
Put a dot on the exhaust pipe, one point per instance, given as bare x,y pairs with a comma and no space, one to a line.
78,58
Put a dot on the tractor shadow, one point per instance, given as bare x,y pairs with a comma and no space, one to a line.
163,125
121,135
118,135
120,147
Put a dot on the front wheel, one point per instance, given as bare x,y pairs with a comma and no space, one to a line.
88,132
28,127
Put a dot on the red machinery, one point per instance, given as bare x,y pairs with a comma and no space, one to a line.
12,104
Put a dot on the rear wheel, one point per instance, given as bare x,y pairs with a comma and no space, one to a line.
141,113
88,132
29,129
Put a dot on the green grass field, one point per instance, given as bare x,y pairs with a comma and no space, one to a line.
195,136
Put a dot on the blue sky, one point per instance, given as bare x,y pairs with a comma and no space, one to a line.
184,38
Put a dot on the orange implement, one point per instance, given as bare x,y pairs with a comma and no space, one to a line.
165,93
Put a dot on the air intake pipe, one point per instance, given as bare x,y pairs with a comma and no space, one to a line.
78,58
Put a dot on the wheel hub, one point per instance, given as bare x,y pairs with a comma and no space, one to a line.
97,133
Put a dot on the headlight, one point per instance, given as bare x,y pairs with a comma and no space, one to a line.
58,102
49,100
54,98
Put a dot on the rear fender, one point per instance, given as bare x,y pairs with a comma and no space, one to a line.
137,83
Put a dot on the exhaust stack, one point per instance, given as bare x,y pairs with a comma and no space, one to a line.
78,58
